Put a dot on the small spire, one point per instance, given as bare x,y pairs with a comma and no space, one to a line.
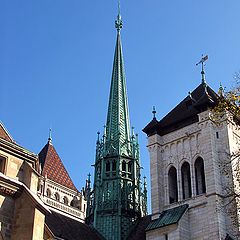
144,182
221,90
136,138
89,177
118,22
154,112
88,182
98,137
203,59
133,134
50,136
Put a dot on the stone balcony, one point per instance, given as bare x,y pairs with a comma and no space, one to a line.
65,208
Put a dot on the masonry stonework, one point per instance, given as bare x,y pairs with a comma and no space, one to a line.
213,143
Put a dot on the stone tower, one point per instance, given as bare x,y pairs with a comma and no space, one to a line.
188,155
117,200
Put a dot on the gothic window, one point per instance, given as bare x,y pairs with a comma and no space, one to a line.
114,166
57,197
129,167
2,164
172,185
186,180
108,166
124,166
65,200
48,193
200,176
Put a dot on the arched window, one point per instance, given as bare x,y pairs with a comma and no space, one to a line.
114,166
48,193
200,176
124,166
107,166
57,197
186,181
65,200
129,167
172,185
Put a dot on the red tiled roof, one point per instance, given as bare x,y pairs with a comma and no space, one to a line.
4,134
53,168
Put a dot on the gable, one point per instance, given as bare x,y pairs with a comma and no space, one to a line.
4,133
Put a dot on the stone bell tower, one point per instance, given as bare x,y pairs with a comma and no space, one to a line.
189,153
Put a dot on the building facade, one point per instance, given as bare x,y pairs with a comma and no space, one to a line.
38,200
56,189
189,185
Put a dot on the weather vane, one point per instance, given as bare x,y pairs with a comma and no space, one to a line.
154,112
203,59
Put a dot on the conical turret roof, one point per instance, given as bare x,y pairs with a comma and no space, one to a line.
53,168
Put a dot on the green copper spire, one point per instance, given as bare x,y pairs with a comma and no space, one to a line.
117,126
117,200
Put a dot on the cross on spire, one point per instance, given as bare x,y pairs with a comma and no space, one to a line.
204,59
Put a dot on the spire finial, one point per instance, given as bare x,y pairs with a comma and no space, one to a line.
221,90
154,112
118,22
50,135
204,59
89,177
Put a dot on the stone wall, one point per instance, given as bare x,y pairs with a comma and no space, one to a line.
203,139
28,220
6,216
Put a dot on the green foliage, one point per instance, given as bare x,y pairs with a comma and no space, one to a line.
230,100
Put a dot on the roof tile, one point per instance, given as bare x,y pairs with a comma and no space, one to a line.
53,168
168,217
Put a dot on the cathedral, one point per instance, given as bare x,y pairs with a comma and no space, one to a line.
187,149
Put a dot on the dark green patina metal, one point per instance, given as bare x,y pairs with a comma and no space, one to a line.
168,217
117,199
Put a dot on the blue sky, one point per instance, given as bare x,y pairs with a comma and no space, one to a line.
56,62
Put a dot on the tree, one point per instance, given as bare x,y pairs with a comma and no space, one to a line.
227,111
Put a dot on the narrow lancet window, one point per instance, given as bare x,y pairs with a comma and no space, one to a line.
172,185
124,166
57,197
107,166
114,166
200,176
186,181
